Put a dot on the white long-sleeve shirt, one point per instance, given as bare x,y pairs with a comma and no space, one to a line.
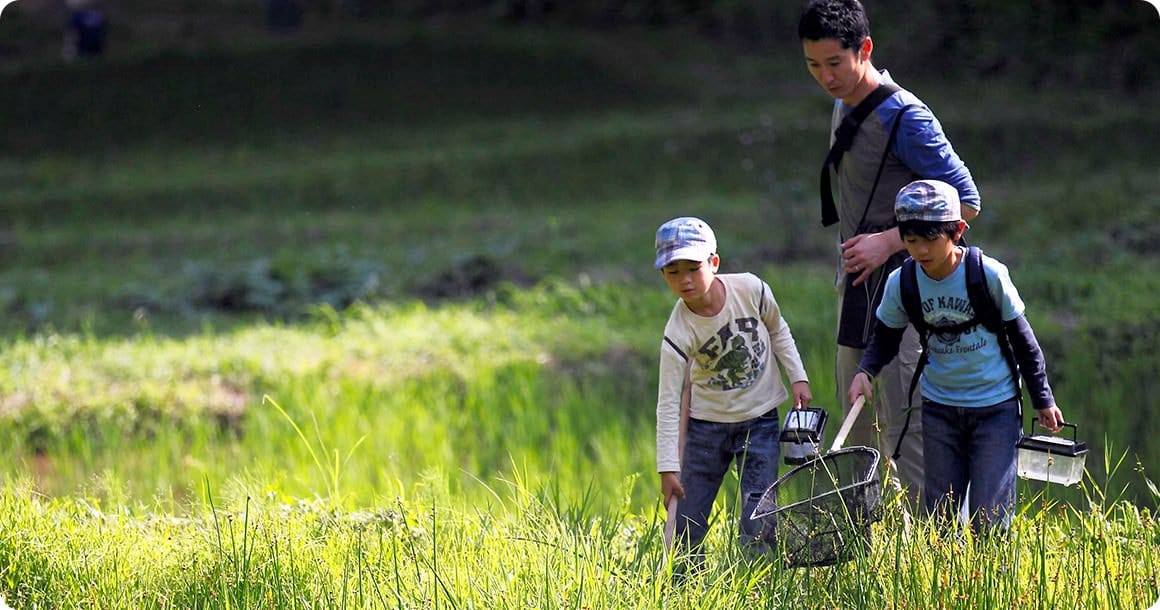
734,374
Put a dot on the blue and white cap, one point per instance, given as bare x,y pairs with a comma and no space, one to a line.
684,239
930,200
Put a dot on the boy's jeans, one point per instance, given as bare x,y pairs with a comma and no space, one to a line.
975,446
710,447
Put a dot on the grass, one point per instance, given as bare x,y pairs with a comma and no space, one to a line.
526,548
326,343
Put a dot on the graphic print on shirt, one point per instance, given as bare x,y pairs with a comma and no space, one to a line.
736,354
945,312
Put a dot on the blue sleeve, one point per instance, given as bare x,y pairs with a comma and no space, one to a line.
890,324
1029,358
882,349
925,149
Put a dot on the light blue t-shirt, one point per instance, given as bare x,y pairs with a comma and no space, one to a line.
966,370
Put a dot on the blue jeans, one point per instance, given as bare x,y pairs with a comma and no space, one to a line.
974,446
710,448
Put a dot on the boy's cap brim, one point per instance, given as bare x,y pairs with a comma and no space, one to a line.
692,253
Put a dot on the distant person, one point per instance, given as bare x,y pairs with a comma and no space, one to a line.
86,30
971,406
723,334
898,140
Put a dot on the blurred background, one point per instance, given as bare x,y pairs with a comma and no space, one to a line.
1102,43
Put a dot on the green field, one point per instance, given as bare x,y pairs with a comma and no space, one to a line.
366,318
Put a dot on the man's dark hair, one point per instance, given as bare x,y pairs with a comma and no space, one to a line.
844,20
928,229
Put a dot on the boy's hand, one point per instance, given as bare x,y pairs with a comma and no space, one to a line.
671,486
860,386
801,394
1051,418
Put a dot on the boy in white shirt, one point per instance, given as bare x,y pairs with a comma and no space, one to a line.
723,336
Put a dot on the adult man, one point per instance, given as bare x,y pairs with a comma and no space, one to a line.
898,140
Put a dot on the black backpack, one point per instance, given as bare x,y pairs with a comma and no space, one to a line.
986,313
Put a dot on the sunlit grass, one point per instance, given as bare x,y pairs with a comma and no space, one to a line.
521,545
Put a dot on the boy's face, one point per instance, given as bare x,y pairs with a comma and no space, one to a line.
838,70
691,280
934,254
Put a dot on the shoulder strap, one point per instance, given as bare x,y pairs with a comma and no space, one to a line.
986,310
882,165
911,302
848,128
843,139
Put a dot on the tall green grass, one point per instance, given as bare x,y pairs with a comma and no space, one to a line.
524,546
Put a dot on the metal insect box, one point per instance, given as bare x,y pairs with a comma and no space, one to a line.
1054,459
801,436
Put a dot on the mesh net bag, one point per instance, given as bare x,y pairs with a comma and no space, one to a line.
820,512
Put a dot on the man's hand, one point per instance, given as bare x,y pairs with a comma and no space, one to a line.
864,253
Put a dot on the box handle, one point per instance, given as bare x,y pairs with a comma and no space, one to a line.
1074,429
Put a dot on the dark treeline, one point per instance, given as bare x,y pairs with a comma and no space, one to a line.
1102,43
1095,44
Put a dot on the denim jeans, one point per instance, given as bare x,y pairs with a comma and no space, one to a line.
710,448
974,446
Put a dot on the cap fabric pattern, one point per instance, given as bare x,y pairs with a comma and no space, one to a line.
684,239
930,200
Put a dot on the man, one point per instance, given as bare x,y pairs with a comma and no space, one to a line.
899,140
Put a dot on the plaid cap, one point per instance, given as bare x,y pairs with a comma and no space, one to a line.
930,200
684,239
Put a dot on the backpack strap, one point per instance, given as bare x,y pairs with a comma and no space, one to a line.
912,303
843,140
986,310
987,314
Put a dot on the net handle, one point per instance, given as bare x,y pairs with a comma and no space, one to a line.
686,404
670,523
848,423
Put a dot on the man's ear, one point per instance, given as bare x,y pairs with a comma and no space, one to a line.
715,261
866,49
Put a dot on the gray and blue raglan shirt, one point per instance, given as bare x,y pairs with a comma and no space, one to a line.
920,150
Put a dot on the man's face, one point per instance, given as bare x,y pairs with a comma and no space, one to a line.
838,70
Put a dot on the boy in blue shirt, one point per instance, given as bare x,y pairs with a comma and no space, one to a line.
970,396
